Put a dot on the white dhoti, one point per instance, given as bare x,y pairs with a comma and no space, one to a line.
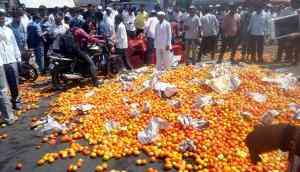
163,59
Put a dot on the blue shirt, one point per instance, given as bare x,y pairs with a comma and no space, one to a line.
34,33
77,22
103,29
258,24
20,34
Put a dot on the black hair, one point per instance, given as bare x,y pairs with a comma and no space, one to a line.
36,17
2,14
119,19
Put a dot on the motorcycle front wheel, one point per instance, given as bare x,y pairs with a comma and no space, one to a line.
29,72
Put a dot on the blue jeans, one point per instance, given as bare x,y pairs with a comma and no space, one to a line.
5,105
39,57
12,77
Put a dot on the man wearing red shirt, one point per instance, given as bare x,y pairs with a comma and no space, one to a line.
231,28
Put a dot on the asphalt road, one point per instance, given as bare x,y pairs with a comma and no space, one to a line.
21,142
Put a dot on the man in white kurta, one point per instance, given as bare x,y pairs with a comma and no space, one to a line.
162,43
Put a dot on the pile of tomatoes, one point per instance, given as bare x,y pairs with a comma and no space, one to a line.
220,147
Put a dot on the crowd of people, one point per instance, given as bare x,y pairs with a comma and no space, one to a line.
62,30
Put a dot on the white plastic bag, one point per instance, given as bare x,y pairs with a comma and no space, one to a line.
146,107
90,94
141,70
269,116
224,84
260,98
294,107
151,133
187,145
127,86
187,121
202,101
82,107
165,89
47,125
297,115
174,103
246,115
111,125
283,81
134,110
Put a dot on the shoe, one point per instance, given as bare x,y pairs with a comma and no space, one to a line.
58,87
9,121
97,83
17,106
233,61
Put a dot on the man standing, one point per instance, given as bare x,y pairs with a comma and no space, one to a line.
10,56
162,42
231,28
34,41
140,20
150,34
210,30
192,33
257,29
19,30
121,41
5,106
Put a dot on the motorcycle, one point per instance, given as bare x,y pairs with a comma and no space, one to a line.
64,69
27,72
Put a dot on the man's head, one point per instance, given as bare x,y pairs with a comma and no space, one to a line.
161,16
153,13
17,16
232,9
2,17
36,18
206,10
142,8
118,19
108,11
192,10
58,20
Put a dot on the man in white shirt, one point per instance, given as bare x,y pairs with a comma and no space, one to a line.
6,51
162,42
210,29
110,21
177,15
149,30
130,24
57,31
192,33
257,29
11,57
122,41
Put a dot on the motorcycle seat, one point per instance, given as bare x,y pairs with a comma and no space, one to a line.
113,56
59,57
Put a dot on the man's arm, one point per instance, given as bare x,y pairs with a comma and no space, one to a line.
16,47
169,36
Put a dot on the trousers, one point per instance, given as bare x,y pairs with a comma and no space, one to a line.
5,105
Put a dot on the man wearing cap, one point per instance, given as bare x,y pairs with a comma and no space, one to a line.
192,33
162,42
149,31
9,58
